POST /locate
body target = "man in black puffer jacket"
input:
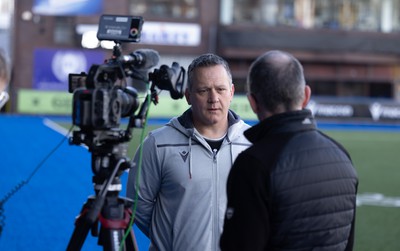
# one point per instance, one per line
(295, 188)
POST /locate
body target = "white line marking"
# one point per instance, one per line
(377, 199)
(56, 127)
(61, 130)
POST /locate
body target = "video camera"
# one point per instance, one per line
(102, 96)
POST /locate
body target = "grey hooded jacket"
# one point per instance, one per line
(181, 196)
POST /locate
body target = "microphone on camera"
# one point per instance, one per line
(143, 59)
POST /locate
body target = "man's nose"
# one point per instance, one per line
(212, 96)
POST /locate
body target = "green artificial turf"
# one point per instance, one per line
(376, 156)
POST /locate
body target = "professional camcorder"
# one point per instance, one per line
(101, 98)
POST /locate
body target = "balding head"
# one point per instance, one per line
(276, 81)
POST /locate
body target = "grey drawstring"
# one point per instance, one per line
(231, 148)
(190, 157)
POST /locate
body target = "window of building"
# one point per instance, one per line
(6, 13)
(240, 84)
(186, 9)
(64, 30)
(323, 88)
(381, 90)
(352, 89)
(363, 15)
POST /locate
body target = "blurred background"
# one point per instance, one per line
(350, 50)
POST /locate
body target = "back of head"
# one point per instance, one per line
(276, 81)
(206, 60)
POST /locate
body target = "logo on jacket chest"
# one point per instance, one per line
(184, 154)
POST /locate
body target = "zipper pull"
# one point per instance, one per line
(215, 154)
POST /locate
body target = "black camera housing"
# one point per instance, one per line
(102, 96)
(103, 108)
(120, 28)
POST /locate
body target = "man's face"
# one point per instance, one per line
(210, 96)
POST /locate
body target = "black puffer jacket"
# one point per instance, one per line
(294, 189)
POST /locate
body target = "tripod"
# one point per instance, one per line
(106, 207)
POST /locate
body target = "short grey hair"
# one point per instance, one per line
(206, 60)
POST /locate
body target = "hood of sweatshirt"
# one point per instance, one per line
(184, 124)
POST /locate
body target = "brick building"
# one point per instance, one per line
(349, 49)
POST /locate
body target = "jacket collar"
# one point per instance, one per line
(287, 122)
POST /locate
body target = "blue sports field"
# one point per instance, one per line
(40, 215)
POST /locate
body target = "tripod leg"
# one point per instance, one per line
(131, 243)
(82, 227)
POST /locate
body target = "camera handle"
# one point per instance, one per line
(113, 213)
(139, 120)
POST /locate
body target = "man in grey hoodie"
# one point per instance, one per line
(180, 180)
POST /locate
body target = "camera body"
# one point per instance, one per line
(102, 97)
(98, 102)
(102, 108)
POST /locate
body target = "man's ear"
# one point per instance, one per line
(253, 103)
(187, 96)
(307, 96)
(232, 91)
